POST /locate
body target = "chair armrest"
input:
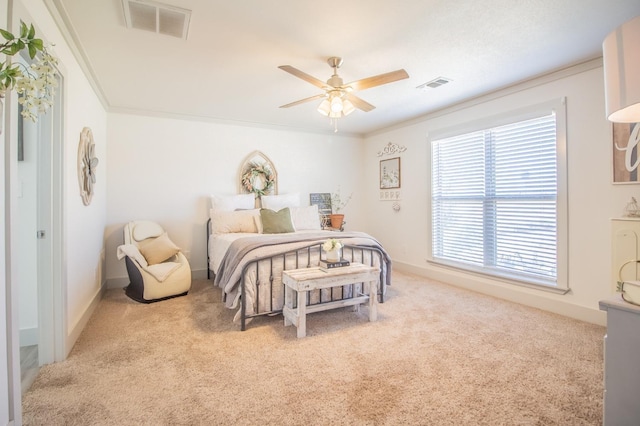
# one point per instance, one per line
(132, 252)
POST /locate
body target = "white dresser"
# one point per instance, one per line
(621, 363)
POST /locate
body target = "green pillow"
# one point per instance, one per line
(276, 222)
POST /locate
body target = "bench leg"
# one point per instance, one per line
(287, 302)
(302, 314)
(373, 301)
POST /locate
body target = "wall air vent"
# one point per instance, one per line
(436, 82)
(156, 17)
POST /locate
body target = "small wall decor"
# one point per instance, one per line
(626, 138)
(632, 209)
(390, 195)
(87, 163)
(258, 175)
(390, 173)
(391, 149)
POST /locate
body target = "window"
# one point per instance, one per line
(495, 199)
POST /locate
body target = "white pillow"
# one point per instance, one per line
(305, 218)
(279, 202)
(229, 203)
(145, 229)
(223, 222)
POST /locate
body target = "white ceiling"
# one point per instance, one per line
(227, 69)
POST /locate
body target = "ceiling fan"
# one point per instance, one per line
(338, 98)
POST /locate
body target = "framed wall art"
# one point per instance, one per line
(390, 173)
(87, 163)
(626, 138)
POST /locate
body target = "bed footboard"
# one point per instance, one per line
(262, 290)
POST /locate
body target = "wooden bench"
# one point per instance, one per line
(304, 280)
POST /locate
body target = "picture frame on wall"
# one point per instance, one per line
(390, 173)
(323, 200)
(626, 138)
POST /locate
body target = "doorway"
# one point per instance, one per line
(38, 228)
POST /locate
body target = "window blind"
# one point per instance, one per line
(494, 200)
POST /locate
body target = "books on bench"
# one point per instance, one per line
(325, 264)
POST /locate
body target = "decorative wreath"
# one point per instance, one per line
(254, 171)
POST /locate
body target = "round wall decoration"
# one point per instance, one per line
(87, 163)
(258, 179)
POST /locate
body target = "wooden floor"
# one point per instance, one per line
(28, 366)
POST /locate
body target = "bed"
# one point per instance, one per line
(246, 256)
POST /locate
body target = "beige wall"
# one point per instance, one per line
(592, 199)
(165, 169)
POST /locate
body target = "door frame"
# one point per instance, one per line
(51, 292)
(56, 311)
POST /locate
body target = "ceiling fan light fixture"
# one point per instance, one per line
(324, 108)
(336, 104)
(337, 99)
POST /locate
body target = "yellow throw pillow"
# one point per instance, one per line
(157, 250)
(276, 222)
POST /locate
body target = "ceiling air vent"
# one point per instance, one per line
(436, 82)
(156, 17)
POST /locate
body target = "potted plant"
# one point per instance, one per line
(35, 84)
(337, 204)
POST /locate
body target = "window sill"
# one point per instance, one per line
(507, 278)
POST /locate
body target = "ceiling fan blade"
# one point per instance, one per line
(301, 101)
(303, 75)
(378, 80)
(359, 103)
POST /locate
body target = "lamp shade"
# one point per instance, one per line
(621, 58)
(336, 104)
(324, 108)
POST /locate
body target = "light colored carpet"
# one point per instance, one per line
(437, 355)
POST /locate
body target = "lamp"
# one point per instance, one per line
(621, 58)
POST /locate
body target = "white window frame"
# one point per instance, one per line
(557, 106)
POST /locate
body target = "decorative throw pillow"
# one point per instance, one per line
(157, 250)
(304, 218)
(276, 222)
(229, 203)
(238, 221)
(279, 202)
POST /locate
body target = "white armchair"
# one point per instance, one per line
(157, 268)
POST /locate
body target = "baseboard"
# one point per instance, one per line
(29, 336)
(74, 333)
(122, 282)
(199, 274)
(521, 295)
